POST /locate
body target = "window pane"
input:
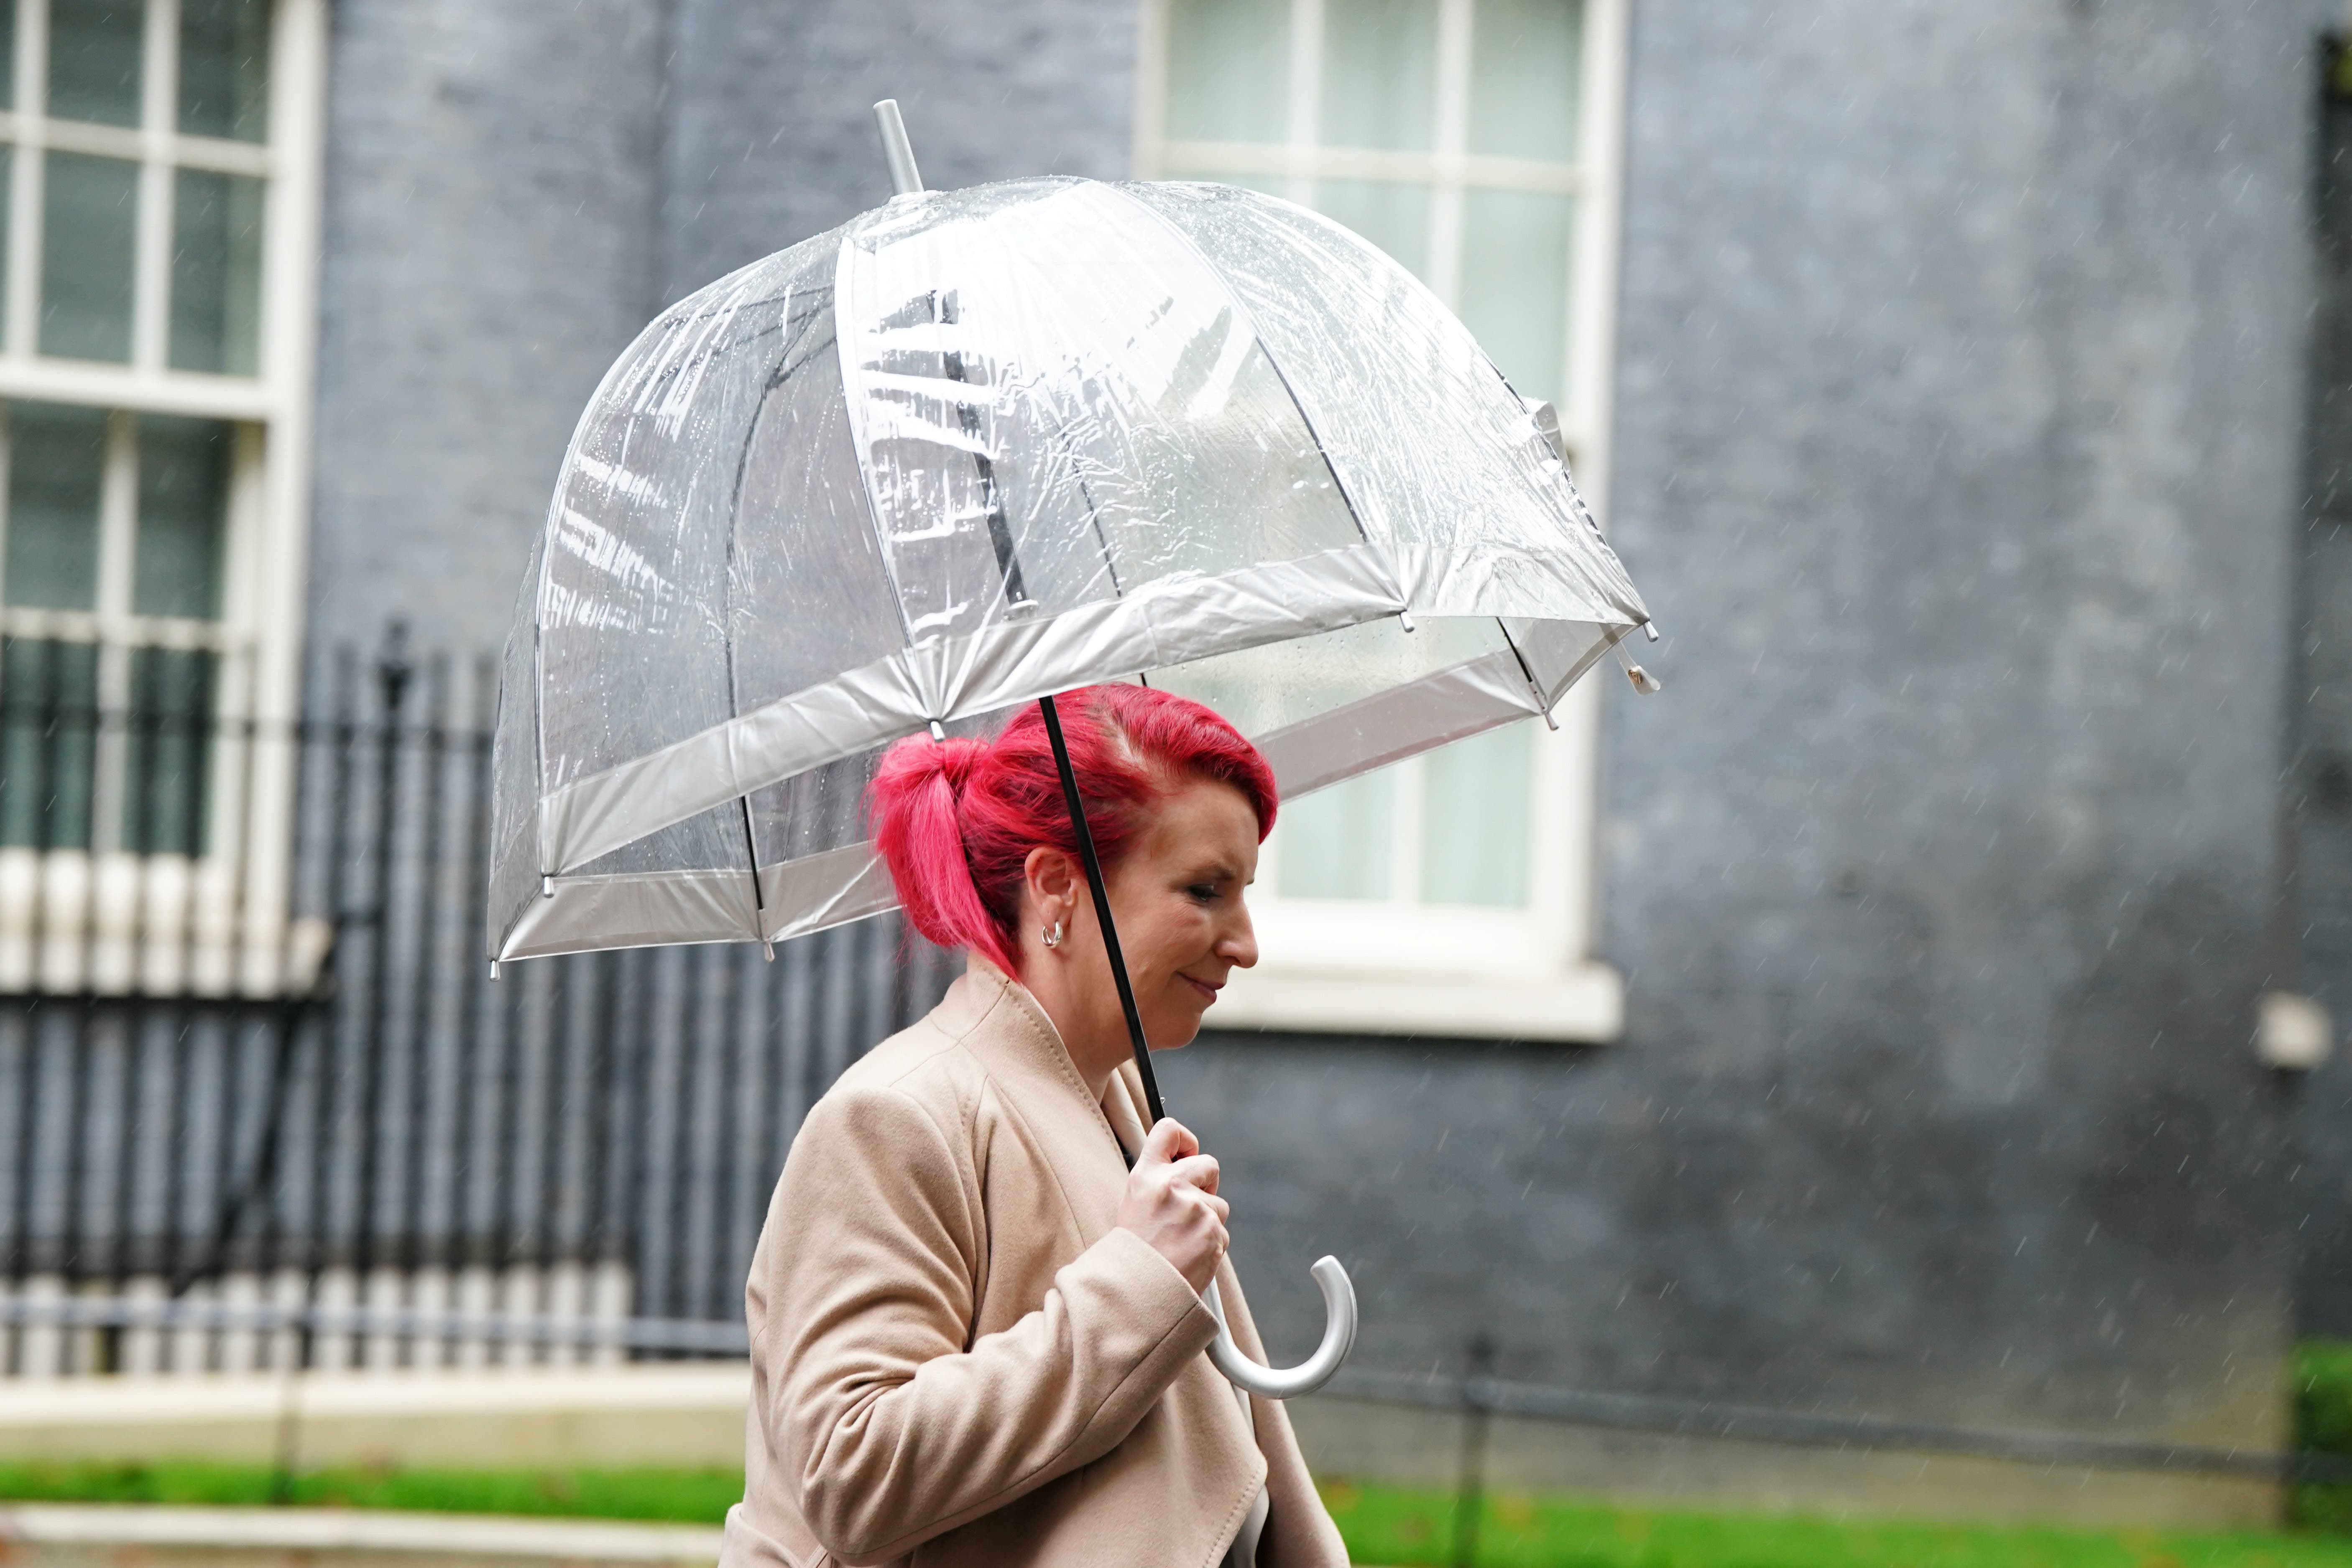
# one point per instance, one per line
(183, 478)
(1526, 70)
(49, 726)
(1514, 258)
(1335, 842)
(1392, 215)
(7, 56)
(94, 59)
(164, 754)
(216, 272)
(88, 214)
(1380, 73)
(56, 458)
(225, 69)
(1228, 70)
(1474, 824)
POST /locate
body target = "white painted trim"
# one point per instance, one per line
(95, 385)
(1585, 421)
(1436, 168)
(136, 1531)
(1304, 127)
(1450, 141)
(27, 178)
(142, 631)
(1586, 1004)
(159, 142)
(289, 281)
(151, 317)
(118, 534)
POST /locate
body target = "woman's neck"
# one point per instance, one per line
(1094, 1047)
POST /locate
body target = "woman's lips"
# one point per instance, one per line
(1208, 992)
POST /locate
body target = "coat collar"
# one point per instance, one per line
(1002, 1023)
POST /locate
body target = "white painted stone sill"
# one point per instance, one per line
(273, 1530)
(1585, 1003)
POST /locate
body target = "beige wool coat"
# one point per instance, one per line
(958, 1359)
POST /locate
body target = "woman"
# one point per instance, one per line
(977, 1334)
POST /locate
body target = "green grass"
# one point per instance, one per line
(647, 1492)
(1388, 1525)
(2323, 1423)
(1394, 1525)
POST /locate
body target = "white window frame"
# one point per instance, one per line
(105, 920)
(1399, 967)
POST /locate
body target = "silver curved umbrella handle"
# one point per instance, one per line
(1338, 1339)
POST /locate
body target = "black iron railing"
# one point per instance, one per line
(375, 1124)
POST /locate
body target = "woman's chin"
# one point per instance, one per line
(1176, 1030)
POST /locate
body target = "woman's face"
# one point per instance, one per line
(1184, 927)
(1178, 897)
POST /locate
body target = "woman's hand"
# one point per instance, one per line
(1172, 1202)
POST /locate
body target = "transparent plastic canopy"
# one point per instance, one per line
(977, 447)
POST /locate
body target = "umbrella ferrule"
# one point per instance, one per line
(896, 151)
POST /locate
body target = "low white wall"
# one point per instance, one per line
(688, 1414)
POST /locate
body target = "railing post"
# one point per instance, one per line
(392, 672)
(1470, 1486)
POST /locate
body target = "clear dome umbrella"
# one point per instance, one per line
(975, 448)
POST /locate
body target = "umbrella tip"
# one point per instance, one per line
(939, 733)
(896, 151)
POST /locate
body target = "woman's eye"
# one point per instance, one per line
(1203, 892)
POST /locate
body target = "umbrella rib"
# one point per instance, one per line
(727, 597)
(1528, 670)
(999, 526)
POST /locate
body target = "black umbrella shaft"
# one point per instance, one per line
(1086, 839)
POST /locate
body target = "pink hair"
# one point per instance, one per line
(955, 820)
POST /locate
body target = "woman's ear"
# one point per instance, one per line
(1050, 881)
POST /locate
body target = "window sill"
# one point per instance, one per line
(1584, 1005)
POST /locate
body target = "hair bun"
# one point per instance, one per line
(957, 759)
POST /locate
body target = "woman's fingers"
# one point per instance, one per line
(1168, 1141)
(1172, 1202)
(1196, 1170)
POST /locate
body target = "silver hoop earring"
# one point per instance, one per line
(1052, 934)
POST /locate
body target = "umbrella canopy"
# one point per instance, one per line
(977, 447)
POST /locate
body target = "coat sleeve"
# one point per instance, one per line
(895, 1425)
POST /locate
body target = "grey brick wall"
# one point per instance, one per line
(773, 138)
(489, 247)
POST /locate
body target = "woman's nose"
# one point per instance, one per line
(1238, 946)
